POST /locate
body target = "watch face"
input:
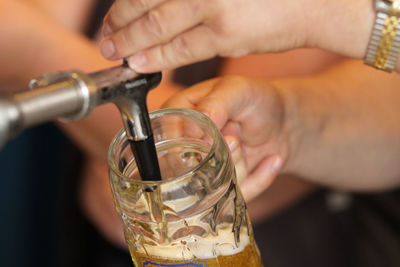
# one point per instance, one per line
(389, 2)
(393, 5)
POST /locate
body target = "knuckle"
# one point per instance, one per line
(239, 84)
(113, 18)
(239, 80)
(124, 42)
(154, 24)
(165, 58)
(117, 16)
(181, 45)
(141, 4)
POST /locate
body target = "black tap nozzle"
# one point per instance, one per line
(128, 91)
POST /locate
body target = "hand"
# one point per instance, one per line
(162, 34)
(169, 33)
(251, 112)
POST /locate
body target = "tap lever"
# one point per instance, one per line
(128, 91)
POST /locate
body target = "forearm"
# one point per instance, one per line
(33, 44)
(71, 14)
(344, 127)
(341, 26)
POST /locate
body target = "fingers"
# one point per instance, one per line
(226, 102)
(261, 178)
(123, 12)
(221, 99)
(189, 98)
(158, 26)
(237, 158)
(197, 44)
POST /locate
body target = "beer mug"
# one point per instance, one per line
(194, 216)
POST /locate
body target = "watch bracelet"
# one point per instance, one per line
(384, 44)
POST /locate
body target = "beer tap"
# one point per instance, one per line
(73, 95)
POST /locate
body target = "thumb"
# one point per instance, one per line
(261, 178)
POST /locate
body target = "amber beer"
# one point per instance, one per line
(207, 252)
(248, 257)
(196, 215)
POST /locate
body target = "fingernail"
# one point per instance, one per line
(206, 113)
(107, 30)
(232, 143)
(275, 164)
(107, 48)
(137, 61)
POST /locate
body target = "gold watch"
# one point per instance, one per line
(384, 44)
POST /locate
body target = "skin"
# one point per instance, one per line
(268, 203)
(164, 34)
(351, 120)
(60, 11)
(78, 52)
(53, 46)
(61, 48)
(326, 128)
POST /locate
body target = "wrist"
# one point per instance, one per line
(292, 126)
(341, 26)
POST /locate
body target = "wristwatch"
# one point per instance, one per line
(384, 44)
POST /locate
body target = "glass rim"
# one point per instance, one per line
(120, 138)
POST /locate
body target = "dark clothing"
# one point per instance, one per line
(34, 168)
(376, 221)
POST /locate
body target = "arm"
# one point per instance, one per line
(344, 127)
(339, 128)
(73, 14)
(34, 44)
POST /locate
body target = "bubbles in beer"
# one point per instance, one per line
(219, 235)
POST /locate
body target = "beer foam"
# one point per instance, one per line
(211, 246)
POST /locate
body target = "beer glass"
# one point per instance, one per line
(194, 216)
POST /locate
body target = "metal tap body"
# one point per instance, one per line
(73, 95)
